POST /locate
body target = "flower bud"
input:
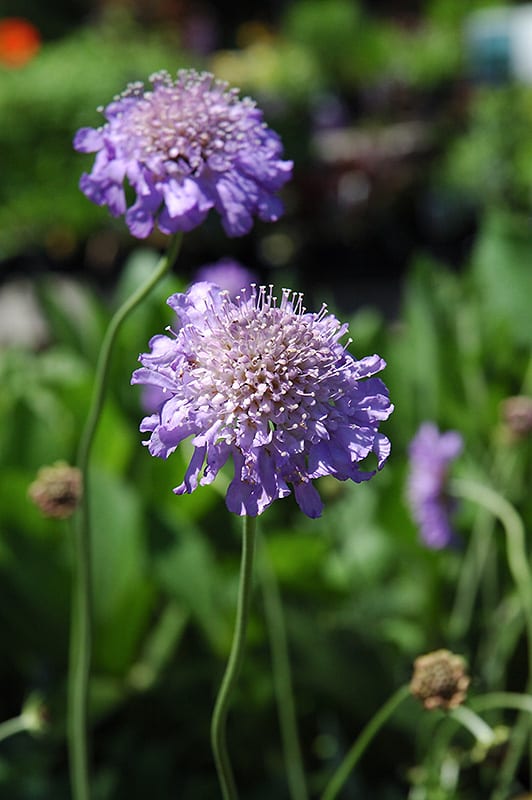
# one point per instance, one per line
(57, 490)
(516, 414)
(440, 680)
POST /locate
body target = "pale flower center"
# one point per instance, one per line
(263, 367)
(184, 125)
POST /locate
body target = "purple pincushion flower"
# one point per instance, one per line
(268, 385)
(431, 454)
(229, 275)
(185, 147)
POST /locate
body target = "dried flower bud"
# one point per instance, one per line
(440, 679)
(516, 413)
(57, 490)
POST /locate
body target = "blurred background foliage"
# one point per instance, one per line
(409, 212)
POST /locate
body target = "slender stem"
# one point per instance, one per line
(80, 647)
(473, 565)
(12, 726)
(234, 664)
(518, 563)
(515, 542)
(440, 741)
(104, 359)
(492, 700)
(364, 739)
(474, 724)
(522, 703)
(282, 679)
(81, 615)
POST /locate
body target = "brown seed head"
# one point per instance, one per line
(516, 414)
(57, 490)
(440, 679)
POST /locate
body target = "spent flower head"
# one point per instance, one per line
(440, 679)
(57, 490)
(516, 415)
(431, 454)
(185, 146)
(269, 385)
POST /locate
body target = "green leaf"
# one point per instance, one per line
(501, 269)
(123, 593)
(187, 571)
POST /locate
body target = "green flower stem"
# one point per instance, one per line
(492, 700)
(515, 541)
(81, 615)
(234, 664)
(518, 563)
(440, 747)
(12, 726)
(474, 724)
(516, 746)
(519, 702)
(361, 743)
(473, 566)
(282, 679)
(480, 548)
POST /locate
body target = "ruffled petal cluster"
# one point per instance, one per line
(269, 386)
(185, 147)
(431, 453)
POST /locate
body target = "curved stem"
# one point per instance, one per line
(473, 565)
(12, 726)
(440, 741)
(81, 615)
(364, 739)
(282, 679)
(518, 563)
(232, 671)
(474, 724)
(515, 541)
(104, 359)
(493, 700)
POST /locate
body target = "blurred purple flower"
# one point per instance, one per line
(228, 274)
(269, 385)
(431, 454)
(185, 146)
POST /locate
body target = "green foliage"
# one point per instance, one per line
(351, 46)
(363, 596)
(492, 158)
(329, 30)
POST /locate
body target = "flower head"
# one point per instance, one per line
(57, 490)
(440, 680)
(228, 274)
(431, 454)
(517, 416)
(269, 385)
(185, 146)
